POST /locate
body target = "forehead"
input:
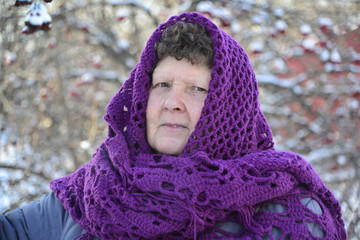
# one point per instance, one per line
(170, 69)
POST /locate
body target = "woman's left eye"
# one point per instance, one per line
(200, 89)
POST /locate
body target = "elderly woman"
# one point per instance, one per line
(189, 155)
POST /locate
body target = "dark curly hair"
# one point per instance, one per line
(186, 40)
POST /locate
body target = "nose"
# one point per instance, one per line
(175, 101)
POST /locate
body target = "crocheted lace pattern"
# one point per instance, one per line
(156, 196)
(227, 172)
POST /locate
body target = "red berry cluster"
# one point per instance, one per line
(37, 18)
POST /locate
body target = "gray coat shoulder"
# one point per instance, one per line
(46, 219)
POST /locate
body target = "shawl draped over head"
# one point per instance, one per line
(226, 171)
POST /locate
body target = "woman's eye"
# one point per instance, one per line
(200, 89)
(163, 84)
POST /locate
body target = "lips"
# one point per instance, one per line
(173, 125)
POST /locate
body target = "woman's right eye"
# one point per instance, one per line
(163, 84)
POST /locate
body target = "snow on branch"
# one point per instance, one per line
(96, 73)
(135, 4)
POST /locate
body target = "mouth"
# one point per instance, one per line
(173, 125)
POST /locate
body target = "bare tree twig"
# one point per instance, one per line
(26, 170)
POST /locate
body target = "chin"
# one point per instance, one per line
(171, 148)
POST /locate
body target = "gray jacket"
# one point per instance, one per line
(43, 220)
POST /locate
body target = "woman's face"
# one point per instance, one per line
(176, 99)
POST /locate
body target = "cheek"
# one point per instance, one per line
(195, 111)
(152, 109)
(149, 120)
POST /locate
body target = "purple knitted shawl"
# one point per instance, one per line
(227, 170)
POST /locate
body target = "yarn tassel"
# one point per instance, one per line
(195, 232)
(246, 215)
